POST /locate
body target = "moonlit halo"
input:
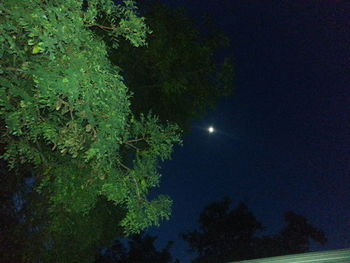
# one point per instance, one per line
(211, 129)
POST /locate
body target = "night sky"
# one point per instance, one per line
(283, 136)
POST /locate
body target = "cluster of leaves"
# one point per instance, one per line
(66, 111)
(226, 235)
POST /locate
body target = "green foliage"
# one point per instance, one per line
(66, 111)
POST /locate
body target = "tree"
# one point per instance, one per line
(230, 235)
(223, 234)
(294, 238)
(178, 75)
(298, 232)
(140, 249)
(66, 116)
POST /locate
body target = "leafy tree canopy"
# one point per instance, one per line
(231, 234)
(66, 113)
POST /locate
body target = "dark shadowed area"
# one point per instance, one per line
(282, 140)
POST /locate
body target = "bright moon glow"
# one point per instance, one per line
(211, 129)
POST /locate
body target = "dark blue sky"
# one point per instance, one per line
(283, 140)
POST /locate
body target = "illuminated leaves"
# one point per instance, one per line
(67, 112)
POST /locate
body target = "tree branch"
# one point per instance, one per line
(133, 178)
(125, 167)
(132, 146)
(103, 27)
(13, 69)
(135, 140)
(137, 187)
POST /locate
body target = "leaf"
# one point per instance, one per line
(88, 128)
(58, 104)
(31, 42)
(36, 49)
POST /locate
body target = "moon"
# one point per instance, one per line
(211, 129)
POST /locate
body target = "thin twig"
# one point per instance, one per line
(137, 187)
(13, 69)
(71, 115)
(125, 167)
(132, 146)
(135, 140)
(133, 178)
(103, 27)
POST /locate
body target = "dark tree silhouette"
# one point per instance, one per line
(141, 249)
(228, 235)
(294, 238)
(223, 234)
(297, 234)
